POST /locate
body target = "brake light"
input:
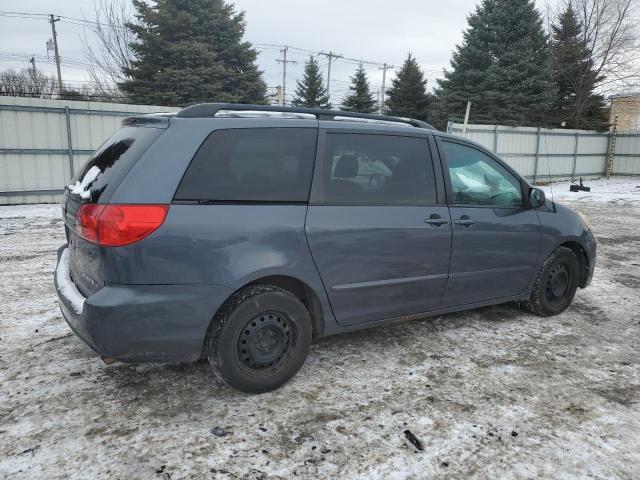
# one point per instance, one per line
(118, 225)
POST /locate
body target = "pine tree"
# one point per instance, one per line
(502, 67)
(311, 92)
(360, 98)
(407, 96)
(190, 51)
(576, 105)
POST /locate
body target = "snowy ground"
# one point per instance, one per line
(490, 393)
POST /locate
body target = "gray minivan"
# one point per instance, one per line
(241, 233)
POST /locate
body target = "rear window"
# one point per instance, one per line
(253, 164)
(110, 163)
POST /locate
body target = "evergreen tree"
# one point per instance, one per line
(407, 96)
(311, 92)
(502, 67)
(360, 98)
(573, 74)
(190, 51)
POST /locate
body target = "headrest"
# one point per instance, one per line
(347, 166)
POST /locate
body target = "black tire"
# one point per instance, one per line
(556, 283)
(259, 339)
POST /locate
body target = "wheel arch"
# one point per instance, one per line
(303, 292)
(583, 259)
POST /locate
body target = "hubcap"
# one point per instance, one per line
(557, 282)
(265, 341)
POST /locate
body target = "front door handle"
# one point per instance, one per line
(436, 220)
(465, 221)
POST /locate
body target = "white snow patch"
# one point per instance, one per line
(48, 210)
(82, 187)
(66, 285)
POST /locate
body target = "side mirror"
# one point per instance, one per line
(536, 198)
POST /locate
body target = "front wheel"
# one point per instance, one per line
(556, 283)
(259, 339)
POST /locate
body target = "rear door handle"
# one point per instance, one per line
(465, 221)
(436, 220)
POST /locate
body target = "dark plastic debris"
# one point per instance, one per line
(414, 441)
(579, 188)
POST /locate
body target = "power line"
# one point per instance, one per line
(286, 50)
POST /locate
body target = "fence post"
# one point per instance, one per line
(611, 149)
(495, 139)
(537, 159)
(575, 157)
(449, 127)
(67, 116)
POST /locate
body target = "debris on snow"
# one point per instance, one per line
(414, 441)
(218, 432)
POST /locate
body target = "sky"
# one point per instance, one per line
(370, 30)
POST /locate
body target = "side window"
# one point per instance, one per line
(477, 179)
(361, 169)
(252, 164)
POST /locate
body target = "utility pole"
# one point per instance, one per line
(384, 69)
(283, 98)
(466, 119)
(33, 67)
(330, 56)
(53, 21)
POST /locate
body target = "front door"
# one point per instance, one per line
(379, 237)
(496, 239)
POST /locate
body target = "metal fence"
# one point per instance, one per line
(44, 142)
(541, 154)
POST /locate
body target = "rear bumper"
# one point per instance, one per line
(141, 323)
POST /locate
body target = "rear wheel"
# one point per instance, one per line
(259, 339)
(556, 283)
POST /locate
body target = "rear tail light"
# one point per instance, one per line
(118, 225)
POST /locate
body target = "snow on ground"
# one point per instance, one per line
(46, 210)
(602, 190)
(490, 393)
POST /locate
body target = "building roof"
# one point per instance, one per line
(625, 95)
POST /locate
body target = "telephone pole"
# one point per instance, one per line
(282, 99)
(33, 67)
(53, 21)
(384, 69)
(466, 119)
(330, 56)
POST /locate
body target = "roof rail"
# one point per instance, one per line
(203, 110)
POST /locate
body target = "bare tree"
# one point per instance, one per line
(611, 31)
(27, 83)
(110, 54)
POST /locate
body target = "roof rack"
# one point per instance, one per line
(204, 110)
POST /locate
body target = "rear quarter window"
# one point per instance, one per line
(370, 169)
(252, 165)
(110, 163)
